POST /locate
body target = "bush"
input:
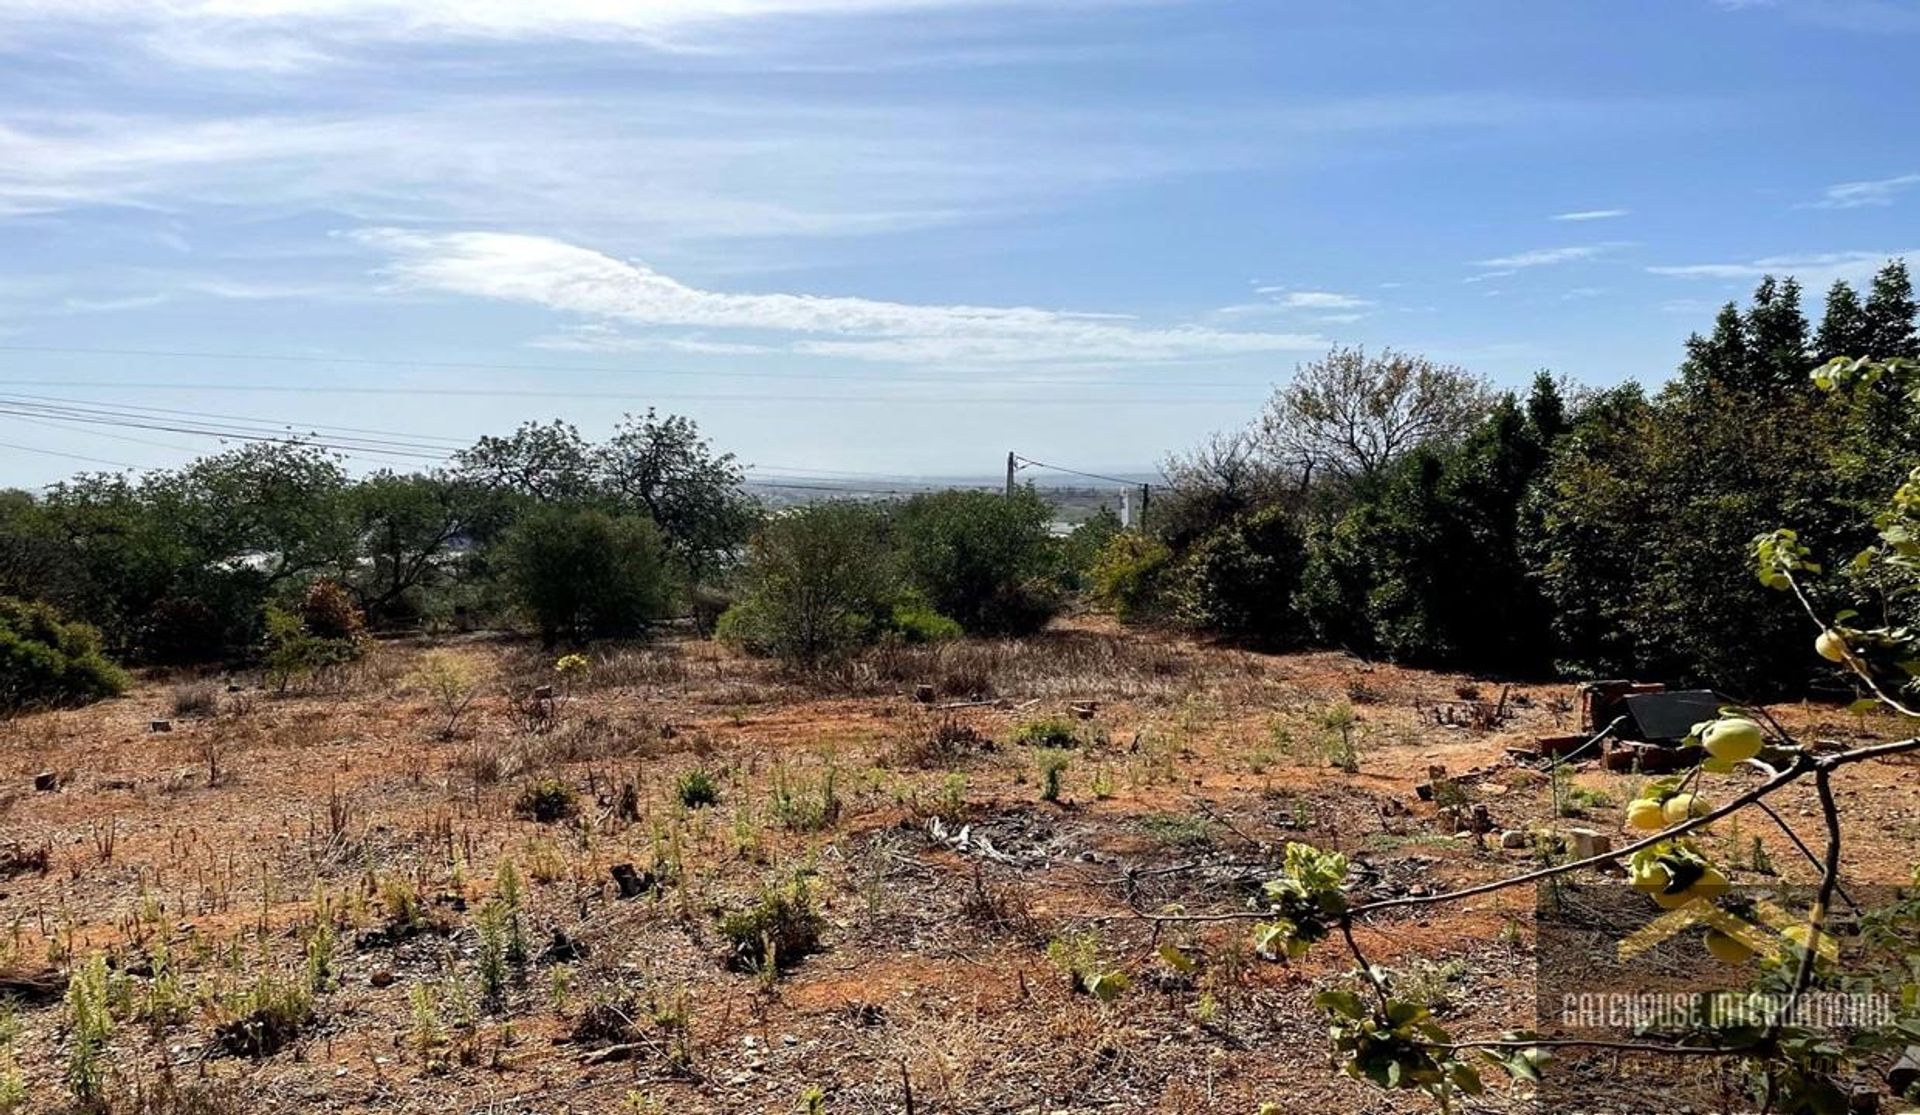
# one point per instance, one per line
(584, 573)
(987, 560)
(292, 653)
(547, 800)
(780, 928)
(328, 612)
(1049, 731)
(1240, 581)
(46, 660)
(697, 788)
(1128, 575)
(917, 623)
(817, 583)
(180, 631)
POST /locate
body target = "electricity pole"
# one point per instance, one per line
(1012, 463)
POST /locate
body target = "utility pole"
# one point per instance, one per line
(1144, 490)
(1012, 463)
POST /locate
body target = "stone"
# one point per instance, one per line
(923, 693)
(1587, 843)
(159, 725)
(1513, 838)
(381, 978)
(46, 782)
(631, 880)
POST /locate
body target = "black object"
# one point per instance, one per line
(1669, 717)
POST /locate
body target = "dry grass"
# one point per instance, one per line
(335, 830)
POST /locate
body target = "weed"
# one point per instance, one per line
(1179, 830)
(451, 681)
(264, 1017)
(1337, 724)
(1052, 762)
(89, 1024)
(781, 927)
(1077, 955)
(194, 700)
(804, 808)
(946, 743)
(546, 801)
(1048, 731)
(697, 788)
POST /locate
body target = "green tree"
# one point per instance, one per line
(1723, 356)
(1240, 581)
(817, 582)
(983, 559)
(406, 524)
(581, 573)
(1777, 337)
(1843, 327)
(663, 468)
(1889, 316)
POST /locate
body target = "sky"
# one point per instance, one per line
(900, 237)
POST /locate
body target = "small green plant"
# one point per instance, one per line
(89, 1025)
(1077, 955)
(451, 681)
(1338, 725)
(546, 801)
(803, 807)
(697, 788)
(1102, 783)
(1052, 762)
(491, 959)
(1048, 731)
(781, 927)
(1179, 830)
(266, 1015)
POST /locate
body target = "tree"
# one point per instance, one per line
(1723, 356)
(1776, 337)
(548, 462)
(1889, 316)
(1350, 416)
(1843, 327)
(581, 573)
(406, 525)
(1210, 486)
(817, 582)
(983, 559)
(1241, 580)
(663, 468)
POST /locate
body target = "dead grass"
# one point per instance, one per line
(936, 874)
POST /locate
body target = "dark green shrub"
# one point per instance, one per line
(583, 573)
(327, 611)
(818, 582)
(47, 661)
(985, 560)
(1048, 731)
(779, 929)
(547, 800)
(1240, 581)
(180, 631)
(697, 788)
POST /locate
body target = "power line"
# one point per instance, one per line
(68, 456)
(624, 396)
(1026, 462)
(508, 366)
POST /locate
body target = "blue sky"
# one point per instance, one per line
(903, 236)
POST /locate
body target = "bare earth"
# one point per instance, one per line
(941, 877)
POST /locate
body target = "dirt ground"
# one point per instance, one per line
(215, 863)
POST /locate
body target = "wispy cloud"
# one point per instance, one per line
(1813, 270)
(1590, 215)
(571, 279)
(1856, 195)
(1323, 300)
(1546, 257)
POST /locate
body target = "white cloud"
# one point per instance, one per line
(1856, 195)
(1590, 215)
(1323, 300)
(571, 279)
(1546, 257)
(1813, 270)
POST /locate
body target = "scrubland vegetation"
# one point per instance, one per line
(565, 776)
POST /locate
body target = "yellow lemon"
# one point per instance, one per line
(1645, 814)
(1710, 885)
(1733, 740)
(1727, 949)
(1831, 645)
(1680, 807)
(1654, 882)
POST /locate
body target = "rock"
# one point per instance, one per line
(543, 692)
(1513, 838)
(381, 978)
(1905, 1072)
(46, 782)
(923, 693)
(1424, 791)
(1588, 843)
(159, 725)
(1482, 818)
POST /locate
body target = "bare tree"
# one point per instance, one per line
(1212, 484)
(1352, 415)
